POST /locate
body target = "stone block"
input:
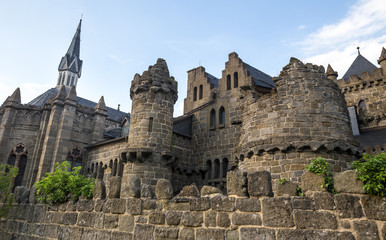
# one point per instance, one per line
(69, 218)
(118, 205)
(99, 190)
(157, 218)
(164, 189)
(165, 233)
(248, 233)
(111, 221)
(316, 220)
(374, 207)
(199, 204)
(86, 219)
(132, 187)
(32, 195)
(106, 235)
(259, 184)
(223, 220)
(287, 188)
(347, 182)
(324, 200)
(248, 204)
(237, 183)
(99, 220)
(246, 219)
(147, 191)
(134, 206)
(76, 233)
(126, 223)
(150, 204)
(107, 206)
(187, 234)
(210, 219)
(192, 219)
(190, 191)
(122, 236)
(21, 194)
(115, 187)
(85, 205)
(366, 230)
(348, 206)
(312, 182)
(99, 205)
(225, 204)
(143, 232)
(303, 234)
(277, 212)
(181, 204)
(232, 235)
(39, 213)
(209, 190)
(302, 203)
(207, 233)
(173, 217)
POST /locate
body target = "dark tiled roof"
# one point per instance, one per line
(51, 93)
(360, 65)
(372, 137)
(183, 126)
(259, 78)
(213, 80)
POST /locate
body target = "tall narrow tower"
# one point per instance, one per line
(70, 67)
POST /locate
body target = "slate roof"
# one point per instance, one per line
(360, 65)
(259, 78)
(51, 93)
(213, 80)
(372, 137)
(183, 126)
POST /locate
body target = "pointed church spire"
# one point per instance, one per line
(15, 97)
(101, 105)
(331, 74)
(70, 67)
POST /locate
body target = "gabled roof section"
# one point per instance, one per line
(183, 126)
(259, 78)
(360, 65)
(213, 81)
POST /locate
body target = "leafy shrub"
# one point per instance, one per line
(372, 172)
(283, 180)
(7, 173)
(320, 166)
(56, 186)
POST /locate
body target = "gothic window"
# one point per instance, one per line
(68, 80)
(150, 124)
(74, 158)
(195, 94)
(200, 92)
(235, 79)
(216, 168)
(72, 80)
(362, 105)
(228, 82)
(18, 158)
(209, 169)
(213, 118)
(221, 115)
(225, 164)
(63, 77)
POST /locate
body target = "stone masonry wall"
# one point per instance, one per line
(246, 213)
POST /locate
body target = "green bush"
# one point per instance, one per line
(7, 174)
(320, 166)
(372, 172)
(57, 186)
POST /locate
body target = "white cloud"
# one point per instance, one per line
(301, 27)
(364, 25)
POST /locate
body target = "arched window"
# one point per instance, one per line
(221, 115)
(68, 80)
(213, 118)
(74, 158)
(209, 169)
(195, 94)
(225, 164)
(200, 92)
(63, 77)
(216, 168)
(18, 158)
(228, 82)
(362, 105)
(235, 79)
(72, 80)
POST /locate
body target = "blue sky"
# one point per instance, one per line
(121, 38)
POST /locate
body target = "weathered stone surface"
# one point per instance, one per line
(192, 219)
(150, 204)
(277, 212)
(111, 221)
(173, 217)
(348, 206)
(324, 200)
(21, 194)
(300, 234)
(99, 205)
(122, 236)
(248, 233)
(189, 192)
(64, 218)
(32, 195)
(106, 235)
(147, 191)
(164, 189)
(209, 190)
(199, 204)
(374, 207)
(345, 224)
(134, 206)
(302, 203)
(85, 205)
(259, 184)
(207, 233)
(132, 187)
(126, 223)
(315, 220)
(246, 219)
(141, 219)
(157, 218)
(210, 219)
(347, 182)
(237, 183)
(232, 235)
(99, 190)
(287, 188)
(99, 220)
(118, 205)
(248, 204)
(181, 204)
(86, 219)
(383, 231)
(165, 233)
(366, 230)
(143, 232)
(107, 206)
(187, 234)
(225, 204)
(115, 187)
(312, 182)
(223, 220)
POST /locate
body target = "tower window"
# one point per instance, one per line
(150, 124)
(195, 94)
(235, 79)
(200, 92)
(72, 80)
(213, 118)
(225, 164)
(216, 168)
(228, 82)
(221, 115)
(68, 80)
(209, 169)
(63, 77)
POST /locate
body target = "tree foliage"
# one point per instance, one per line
(7, 173)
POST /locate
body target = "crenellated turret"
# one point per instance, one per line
(331, 74)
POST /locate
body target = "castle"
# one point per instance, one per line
(244, 120)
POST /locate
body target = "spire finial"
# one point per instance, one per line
(359, 53)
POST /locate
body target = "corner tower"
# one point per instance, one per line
(70, 67)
